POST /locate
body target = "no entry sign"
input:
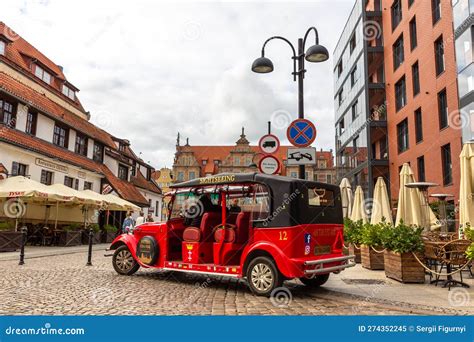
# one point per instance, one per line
(269, 144)
(301, 133)
(269, 165)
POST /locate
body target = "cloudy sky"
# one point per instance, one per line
(148, 69)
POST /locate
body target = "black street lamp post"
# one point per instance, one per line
(315, 54)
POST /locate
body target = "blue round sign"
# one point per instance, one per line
(301, 133)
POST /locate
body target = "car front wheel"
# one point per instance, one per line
(263, 276)
(123, 261)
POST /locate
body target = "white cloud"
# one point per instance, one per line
(149, 69)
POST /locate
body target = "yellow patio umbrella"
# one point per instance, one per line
(25, 188)
(117, 203)
(78, 197)
(411, 202)
(381, 204)
(27, 191)
(346, 197)
(466, 191)
(358, 208)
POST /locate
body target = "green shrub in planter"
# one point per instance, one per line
(371, 242)
(403, 239)
(110, 228)
(353, 231)
(72, 227)
(7, 226)
(95, 227)
(371, 234)
(401, 243)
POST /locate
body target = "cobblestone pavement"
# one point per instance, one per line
(62, 284)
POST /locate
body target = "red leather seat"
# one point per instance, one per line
(192, 234)
(209, 221)
(242, 227)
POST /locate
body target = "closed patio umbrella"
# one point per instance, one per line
(381, 205)
(466, 191)
(358, 208)
(411, 202)
(346, 197)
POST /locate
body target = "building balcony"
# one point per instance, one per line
(373, 14)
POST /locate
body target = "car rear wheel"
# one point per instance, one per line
(263, 276)
(123, 261)
(315, 281)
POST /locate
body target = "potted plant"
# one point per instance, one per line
(401, 243)
(109, 233)
(96, 234)
(469, 234)
(71, 235)
(372, 256)
(352, 236)
(10, 240)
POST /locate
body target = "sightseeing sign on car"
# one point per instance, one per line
(264, 229)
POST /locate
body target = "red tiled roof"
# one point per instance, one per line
(21, 53)
(29, 142)
(140, 181)
(33, 98)
(125, 189)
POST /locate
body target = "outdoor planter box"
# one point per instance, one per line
(353, 250)
(403, 267)
(10, 241)
(96, 237)
(371, 259)
(70, 238)
(108, 237)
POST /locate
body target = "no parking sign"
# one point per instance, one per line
(301, 133)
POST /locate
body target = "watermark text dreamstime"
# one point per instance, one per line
(44, 330)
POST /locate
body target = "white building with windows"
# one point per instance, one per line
(45, 133)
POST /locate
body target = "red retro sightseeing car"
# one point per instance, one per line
(266, 229)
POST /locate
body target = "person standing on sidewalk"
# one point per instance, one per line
(140, 219)
(128, 223)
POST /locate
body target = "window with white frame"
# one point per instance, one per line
(69, 92)
(42, 74)
(2, 47)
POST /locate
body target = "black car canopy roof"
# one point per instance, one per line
(281, 188)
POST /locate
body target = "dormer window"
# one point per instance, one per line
(69, 92)
(42, 74)
(2, 47)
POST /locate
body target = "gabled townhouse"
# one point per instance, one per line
(45, 132)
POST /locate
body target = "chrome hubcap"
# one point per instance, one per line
(261, 277)
(124, 260)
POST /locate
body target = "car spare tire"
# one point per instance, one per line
(147, 250)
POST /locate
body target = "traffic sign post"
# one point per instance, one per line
(301, 133)
(269, 144)
(269, 165)
(301, 156)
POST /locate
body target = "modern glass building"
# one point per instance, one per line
(463, 18)
(359, 98)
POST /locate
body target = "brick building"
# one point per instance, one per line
(45, 132)
(199, 161)
(422, 94)
(407, 59)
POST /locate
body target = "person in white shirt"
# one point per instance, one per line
(140, 219)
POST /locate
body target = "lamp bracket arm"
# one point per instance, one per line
(312, 28)
(294, 57)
